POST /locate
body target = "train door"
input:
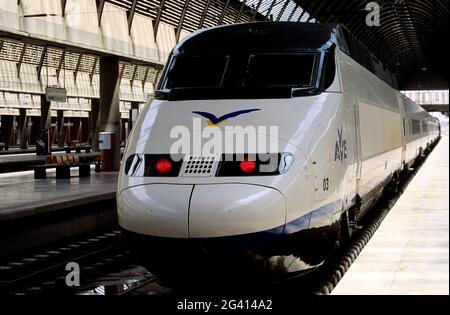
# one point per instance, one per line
(404, 140)
(358, 141)
(350, 105)
(402, 102)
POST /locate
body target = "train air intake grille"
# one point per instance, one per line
(200, 165)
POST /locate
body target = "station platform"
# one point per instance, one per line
(25, 161)
(22, 196)
(31, 149)
(409, 254)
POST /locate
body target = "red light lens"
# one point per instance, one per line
(163, 166)
(248, 166)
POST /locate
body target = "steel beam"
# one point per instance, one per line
(100, 6)
(282, 10)
(63, 7)
(131, 15)
(205, 10)
(181, 21)
(77, 67)
(158, 71)
(133, 76)
(41, 62)
(19, 63)
(121, 71)
(238, 17)
(145, 76)
(301, 15)
(91, 75)
(270, 9)
(256, 10)
(61, 61)
(158, 18)
(222, 15)
(292, 13)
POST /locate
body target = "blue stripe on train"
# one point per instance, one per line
(319, 216)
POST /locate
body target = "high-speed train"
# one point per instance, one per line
(330, 135)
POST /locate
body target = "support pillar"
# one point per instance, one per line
(109, 114)
(134, 113)
(68, 135)
(93, 119)
(46, 125)
(61, 129)
(23, 128)
(46, 114)
(7, 126)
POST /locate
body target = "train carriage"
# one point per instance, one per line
(340, 134)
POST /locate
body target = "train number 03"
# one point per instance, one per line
(326, 184)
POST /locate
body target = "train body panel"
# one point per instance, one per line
(378, 116)
(155, 209)
(244, 209)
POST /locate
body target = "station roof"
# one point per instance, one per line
(412, 35)
(410, 38)
(188, 15)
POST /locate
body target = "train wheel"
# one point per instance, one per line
(345, 230)
(393, 187)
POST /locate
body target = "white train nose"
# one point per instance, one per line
(155, 209)
(233, 209)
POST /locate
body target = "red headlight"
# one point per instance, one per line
(248, 166)
(163, 166)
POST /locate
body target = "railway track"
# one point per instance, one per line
(106, 262)
(44, 270)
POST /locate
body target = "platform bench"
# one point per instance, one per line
(78, 147)
(62, 163)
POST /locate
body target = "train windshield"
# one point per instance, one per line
(259, 71)
(289, 70)
(246, 75)
(197, 71)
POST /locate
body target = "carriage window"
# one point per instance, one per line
(424, 126)
(288, 70)
(197, 71)
(415, 126)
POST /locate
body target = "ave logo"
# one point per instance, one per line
(340, 150)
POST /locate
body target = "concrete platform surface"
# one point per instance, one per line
(31, 149)
(21, 195)
(409, 254)
(32, 157)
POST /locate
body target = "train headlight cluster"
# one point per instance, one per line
(153, 165)
(227, 165)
